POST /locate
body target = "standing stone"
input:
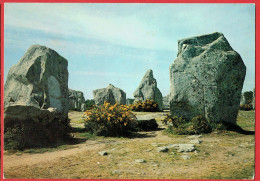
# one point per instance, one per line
(76, 100)
(147, 89)
(36, 95)
(129, 101)
(206, 79)
(166, 102)
(110, 94)
(243, 99)
(39, 79)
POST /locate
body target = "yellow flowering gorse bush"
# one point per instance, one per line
(110, 120)
(146, 106)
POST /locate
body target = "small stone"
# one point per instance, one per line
(194, 136)
(186, 148)
(116, 172)
(186, 157)
(102, 153)
(173, 146)
(148, 150)
(140, 161)
(195, 141)
(163, 149)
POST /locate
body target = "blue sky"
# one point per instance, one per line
(118, 43)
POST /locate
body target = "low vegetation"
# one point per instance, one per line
(221, 155)
(246, 107)
(145, 106)
(110, 120)
(181, 126)
(32, 134)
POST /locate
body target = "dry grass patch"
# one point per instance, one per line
(224, 155)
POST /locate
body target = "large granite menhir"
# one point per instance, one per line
(206, 79)
(76, 100)
(110, 94)
(36, 91)
(147, 89)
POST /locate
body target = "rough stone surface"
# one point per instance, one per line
(243, 99)
(102, 153)
(166, 102)
(195, 141)
(186, 148)
(76, 100)
(129, 101)
(140, 161)
(110, 94)
(37, 82)
(163, 149)
(194, 136)
(186, 157)
(147, 89)
(146, 123)
(206, 79)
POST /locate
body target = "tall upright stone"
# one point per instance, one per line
(148, 89)
(76, 100)
(166, 102)
(206, 79)
(109, 94)
(36, 94)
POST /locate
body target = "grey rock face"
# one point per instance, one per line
(129, 101)
(206, 79)
(146, 123)
(38, 81)
(102, 153)
(166, 102)
(163, 149)
(147, 89)
(76, 100)
(110, 94)
(186, 148)
(140, 161)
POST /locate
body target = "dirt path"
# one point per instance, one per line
(30, 159)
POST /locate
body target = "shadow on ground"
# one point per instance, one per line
(238, 129)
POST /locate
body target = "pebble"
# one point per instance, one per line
(140, 161)
(102, 153)
(163, 149)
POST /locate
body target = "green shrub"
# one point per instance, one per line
(19, 135)
(110, 120)
(146, 106)
(201, 125)
(246, 107)
(90, 103)
(181, 126)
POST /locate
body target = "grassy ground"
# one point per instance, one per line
(224, 155)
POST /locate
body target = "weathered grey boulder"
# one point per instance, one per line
(147, 89)
(36, 98)
(76, 100)
(39, 79)
(166, 102)
(206, 79)
(110, 94)
(129, 101)
(146, 123)
(243, 99)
